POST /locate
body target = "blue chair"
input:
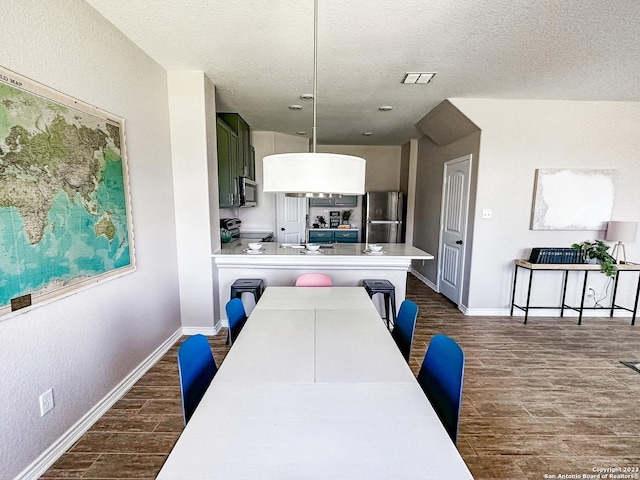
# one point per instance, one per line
(404, 327)
(236, 317)
(197, 368)
(441, 376)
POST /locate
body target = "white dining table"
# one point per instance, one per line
(314, 387)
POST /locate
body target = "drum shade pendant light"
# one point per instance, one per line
(312, 174)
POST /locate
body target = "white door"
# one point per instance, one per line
(291, 218)
(453, 227)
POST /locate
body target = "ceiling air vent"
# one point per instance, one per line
(418, 77)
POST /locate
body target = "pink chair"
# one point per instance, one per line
(313, 280)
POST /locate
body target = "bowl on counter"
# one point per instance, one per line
(255, 245)
(375, 247)
(313, 247)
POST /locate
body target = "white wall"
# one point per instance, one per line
(192, 111)
(429, 173)
(383, 164)
(85, 344)
(519, 136)
(412, 167)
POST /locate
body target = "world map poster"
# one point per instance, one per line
(64, 198)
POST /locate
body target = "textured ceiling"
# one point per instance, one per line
(259, 54)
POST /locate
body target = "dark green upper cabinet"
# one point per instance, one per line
(344, 201)
(252, 164)
(228, 185)
(320, 202)
(246, 155)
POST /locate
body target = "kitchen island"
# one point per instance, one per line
(346, 263)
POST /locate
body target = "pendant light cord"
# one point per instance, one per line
(315, 69)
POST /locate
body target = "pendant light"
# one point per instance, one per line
(311, 174)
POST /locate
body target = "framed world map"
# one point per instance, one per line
(65, 220)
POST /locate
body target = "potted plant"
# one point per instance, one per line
(597, 250)
(346, 215)
(225, 235)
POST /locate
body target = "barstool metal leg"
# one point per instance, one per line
(387, 298)
(392, 297)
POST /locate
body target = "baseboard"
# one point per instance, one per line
(433, 287)
(425, 280)
(555, 312)
(544, 312)
(506, 312)
(207, 331)
(486, 312)
(62, 444)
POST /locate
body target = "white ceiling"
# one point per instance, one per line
(259, 54)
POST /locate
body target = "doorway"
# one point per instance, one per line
(291, 219)
(453, 227)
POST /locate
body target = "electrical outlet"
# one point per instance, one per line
(46, 402)
(487, 213)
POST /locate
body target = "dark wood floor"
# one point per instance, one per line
(546, 398)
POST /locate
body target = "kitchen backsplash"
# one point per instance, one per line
(356, 214)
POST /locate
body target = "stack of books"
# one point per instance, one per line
(556, 255)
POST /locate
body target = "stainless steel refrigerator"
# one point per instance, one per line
(383, 217)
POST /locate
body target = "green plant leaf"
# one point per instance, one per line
(598, 250)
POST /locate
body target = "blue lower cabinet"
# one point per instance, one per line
(333, 236)
(348, 236)
(320, 237)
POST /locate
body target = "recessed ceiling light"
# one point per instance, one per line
(306, 96)
(367, 134)
(301, 133)
(295, 107)
(418, 77)
(385, 108)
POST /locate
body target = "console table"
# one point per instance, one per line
(573, 267)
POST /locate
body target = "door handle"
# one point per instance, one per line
(282, 229)
(458, 242)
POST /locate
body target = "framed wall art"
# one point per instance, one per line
(573, 199)
(65, 219)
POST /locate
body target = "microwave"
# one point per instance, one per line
(248, 192)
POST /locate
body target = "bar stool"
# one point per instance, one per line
(386, 288)
(251, 285)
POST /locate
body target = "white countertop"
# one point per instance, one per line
(346, 263)
(273, 249)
